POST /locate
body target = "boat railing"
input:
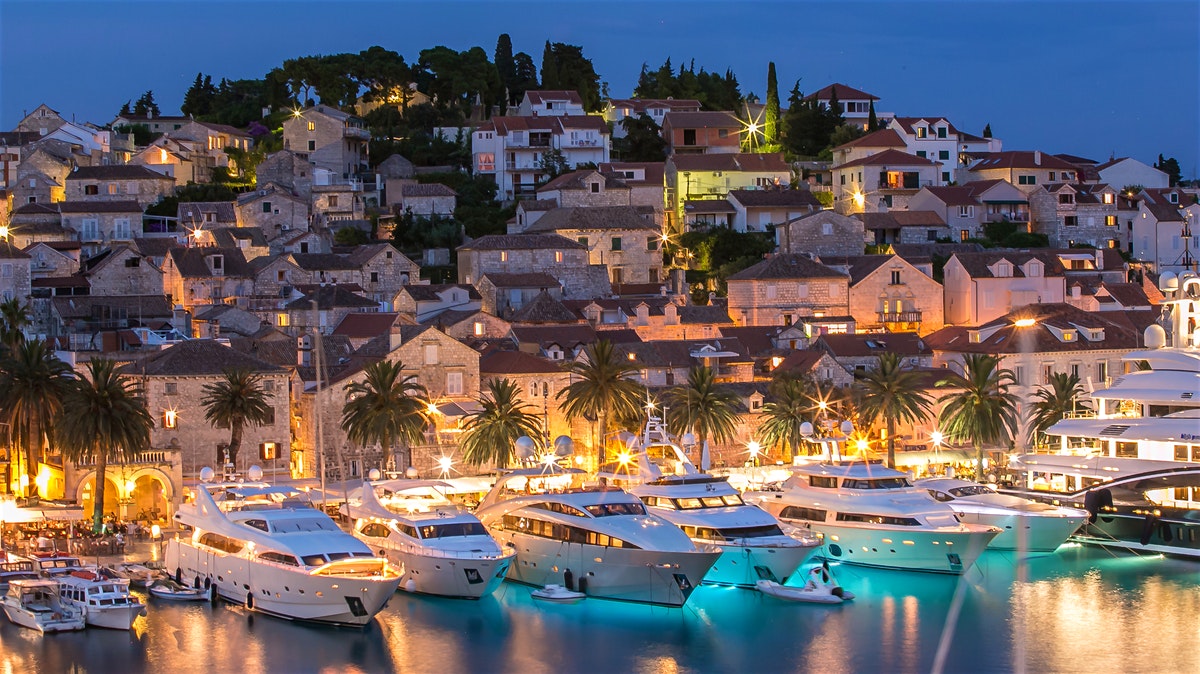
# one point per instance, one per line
(425, 551)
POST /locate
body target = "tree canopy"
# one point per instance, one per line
(715, 92)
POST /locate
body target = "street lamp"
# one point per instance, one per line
(755, 449)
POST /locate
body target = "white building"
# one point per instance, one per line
(514, 149)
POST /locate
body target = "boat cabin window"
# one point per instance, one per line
(561, 508)
(279, 558)
(407, 529)
(971, 490)
(658, 502)
(453, 530)
(222, 543)
(611, 509)
(374, 530)
(878, 519)
(563, 532)
(732, 533)
(708, 502)
(314, 560)
(261, 525)
(940, 495)
(877, 483)
(293, 525)
(822, 481)
(802, 513)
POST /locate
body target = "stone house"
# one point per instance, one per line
(200, 276)
(378, 269)
(422, 199)
(882, 181)
(585, 188)
(959, 209)
(224, 321)
(905, 227)
(360, 328)
(667, 362)
(179, 158)
(555, 342)
(332, 304)
(503, 294)
(564, 259)
(122, 270)
(53, 259)
(860, 352)
(690, 177)
(617, 110)
(539, 382)
(196, 216)
(1024, 169)
(289, 171)
(173, 381)
(822, 233)
(980, 287)
(702, 214)
(423, 302)
(15, 272)
(855, 103)
(33, 223)
(616, 237)
(335, 199)
(80, 321)
(470, 325)
(787, 289)
(702, 132)
(888, 293)
(42, 120)
(528, 211)
(817, 365)
(1076, 213)
(42, 173)
(273, 209)
(98, 223)
(763, 210)
(328, 138)
(644, 180)
(118, 183)
(395, 166)
(303, 241)
(250, 240)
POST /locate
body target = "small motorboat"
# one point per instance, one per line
(138, 575)
(35, 604)
(558, 594)
(103, 598)
(821, 588)
(165, 588)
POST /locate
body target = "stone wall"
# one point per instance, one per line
(767, 302)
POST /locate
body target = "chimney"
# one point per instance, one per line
(1037, 157)
(304, 350)
(1099, 258)
(1075, 292)
(394, 339)
(181, 321)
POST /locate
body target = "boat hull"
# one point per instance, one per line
(113, 617)
(458, 577)
(285, 592)
(1042, 534)
(745, 565)
(926, 550)
(28, 619)
(623, 574)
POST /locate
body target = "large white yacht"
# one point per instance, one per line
(438, 547)
(1027, 526)
(267, 548)
(871, 515)
(1149, 413)
(597, 538)
(709, 510)
(1136, 504)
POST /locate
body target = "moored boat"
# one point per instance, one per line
(35, 604)
(1025, 525)
(103, 599)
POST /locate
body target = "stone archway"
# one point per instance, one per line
(147, 492)
(86, 490)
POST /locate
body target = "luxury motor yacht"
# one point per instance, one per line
(871, 515)
(599, 539)
(438, 547)
(267, 548)
(35, 604)
(103, 600)
(1135, 504)
(1027, 526)
(709, 510)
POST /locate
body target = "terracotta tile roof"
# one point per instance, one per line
(430, 292)
(515, 362)
(786, 266)
(748, 162)
(224, 128)
(233, 236)
(193, 262)
(709, 314)
(9, 251)
(652, 170)
(574, 181)
(197, 357)
(758, 339)
(534, 205)
(1010, 159)
(98, 207)
(619, 336)
(1156, 201)
(907, 123)
(632, 290)
(675, 353)
(595, 218)
(880, 138)
(889, 158)
(544, 309)
(639, 105)
(18, 138)
(222, 211)
(906, 344)
(857, 266)
(977, 264)
(526, 280)
(155, 246)
(775, 198)
(800, 362)
(543, 95)
(323, 262)
(898, 219)
(556, 124)
(708, 206)
(521, 242)
(87, 306)
(426, 190)
(36, 209)
(844, 93)
(954, 195)
(1001, 336)
(116, 172)
(1128, 294)
(566, 336)
(366, 326)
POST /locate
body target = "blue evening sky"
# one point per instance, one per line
(1089, 78)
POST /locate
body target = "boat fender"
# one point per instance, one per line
(569, 580)
(583, 583)
(837, 591)
(179, 575)
(1148, 528)
(249, 600)
(195, 582)
(208, 582)
(1096, 500)
(410, 585)
(215, 594)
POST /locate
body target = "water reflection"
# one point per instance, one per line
(1079, 610)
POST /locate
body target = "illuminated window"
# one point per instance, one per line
(169, 419)
(283, 320)
(478, 329)
(558, 256)
(312, 126)
(504, 256)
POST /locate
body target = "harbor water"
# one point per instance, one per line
(1081, 610)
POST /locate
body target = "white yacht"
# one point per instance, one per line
(709, 510)
(598, 539)
(871, 515)
(438, 547)
(103, 600)
(267, 548)
(13, 567)
(55, 564)
(1140, 505)
(35, 604)
(1027, 526)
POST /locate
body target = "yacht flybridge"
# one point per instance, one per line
(267, 548)
(598, 539)
(1027, 526)
(709, 510)
(437, 547)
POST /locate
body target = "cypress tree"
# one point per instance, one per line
(987, 130)
(506, 65)
(771, 114)
(872, 120)
(549, 68)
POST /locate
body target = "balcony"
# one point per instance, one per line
(154, 456)
(585, 142)
(356, 132)
(901, 317)
(521, 166)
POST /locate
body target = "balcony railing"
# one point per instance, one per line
(153, 456)
(520, 166)
(356, 132)
(901, 317)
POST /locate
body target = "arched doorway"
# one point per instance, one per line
(150, 502)
(112, 496)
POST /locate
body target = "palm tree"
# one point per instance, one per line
(782, 417)
(235, 401)
(703, 407)
(13, 317)
(490, 434)
(983, 412)
(1055, 402)
(603, 388)
(385, 408)
(104, 417)
(895, 394)
(32, 384)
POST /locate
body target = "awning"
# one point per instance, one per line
(925, 457)
(458, 409)
(11, 514)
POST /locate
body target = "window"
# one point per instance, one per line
(1067, 198)
(942, 133)
(922, 132)
(922, 154)
(113, 188)
(943, 154)
(843, 177)
(722, 133)
(172, 388)
(454, 383)
(558, 256)
(964, 234)
(1019, 375)
(504, 256)
(6, 270)
(374, 277)
(431, 354)
(169, 419)
(1075, 370)
(616, 243)
(88, 189)
(478, 329)
(1052, 176)
(966, 211)
(312, 126)
(1108, 198)
(582, 241)
(312, 145)
(1026, 180)
(266, 207)
(770, 291)
(333, 201)
(1102, 370)
(595, 188)
(931, 235)
(1047, 374)
(121, 228)
(945, 176)
(896, 278)
(651, 243)
(1110, 221)
(1070, 221)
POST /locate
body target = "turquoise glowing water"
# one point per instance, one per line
(1080, 610)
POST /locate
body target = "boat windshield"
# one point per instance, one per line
(708, 502)
(972, 490)
(293, 525)
(877, 483)
(452, 530)
(610, 509)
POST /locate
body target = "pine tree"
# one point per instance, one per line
(771, 114)
(987, 130)
(872, 120)
(146, 105)
(125, 111)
